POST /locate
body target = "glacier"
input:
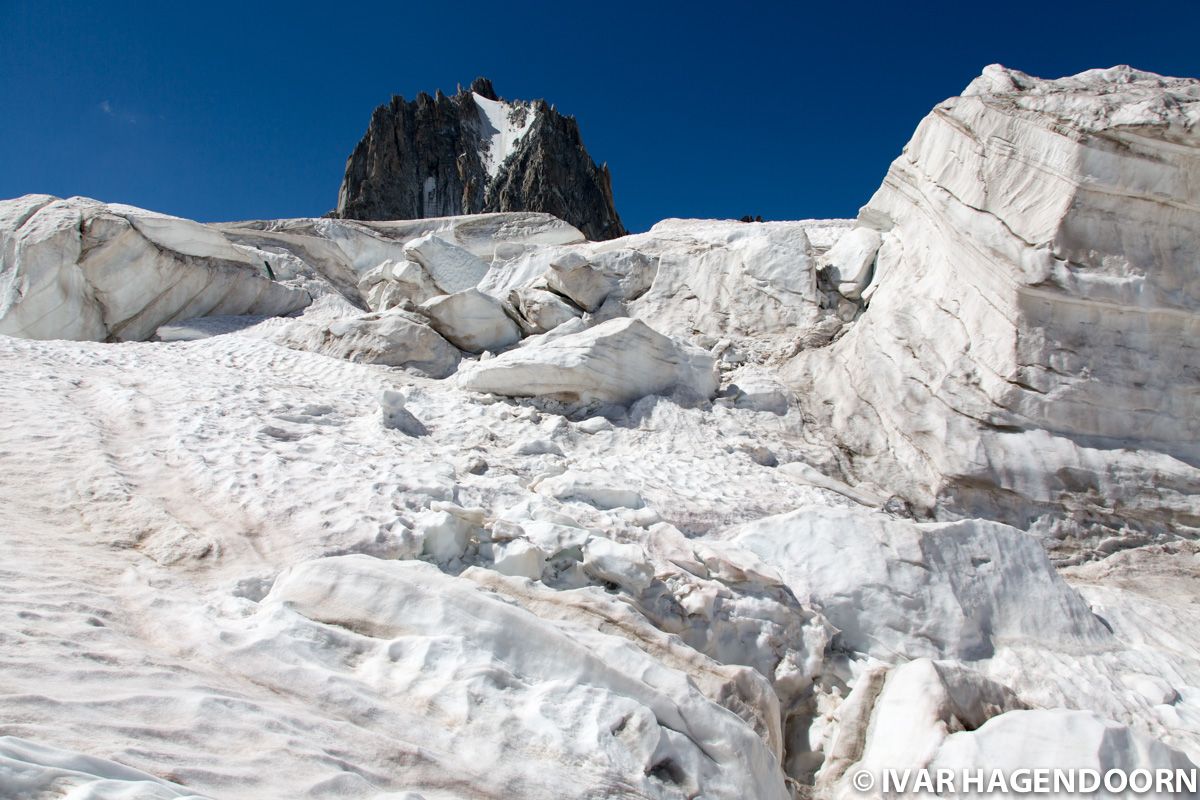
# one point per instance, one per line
(472, 506)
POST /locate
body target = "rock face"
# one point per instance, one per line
(81, 269)
(1030, 275)
(473, 153)
(615, 362)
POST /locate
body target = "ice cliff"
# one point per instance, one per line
(1028, 349)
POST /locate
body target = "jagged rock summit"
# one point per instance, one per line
(473, 153)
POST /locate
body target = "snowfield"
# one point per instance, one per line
(472, 508)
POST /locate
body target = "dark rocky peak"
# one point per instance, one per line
(474, 153)
(483, 87)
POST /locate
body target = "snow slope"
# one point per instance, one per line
(168, 538)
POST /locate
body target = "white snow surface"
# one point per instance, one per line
(453, 268)
(188, 476)
(471, 320)
(720, 510)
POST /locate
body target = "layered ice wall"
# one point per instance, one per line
(1029, 269)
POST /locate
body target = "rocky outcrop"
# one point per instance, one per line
(1029, 273)
(551, 171)
(473, 153)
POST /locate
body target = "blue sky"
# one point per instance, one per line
(219, 111)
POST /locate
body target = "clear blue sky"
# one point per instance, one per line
(219, 111)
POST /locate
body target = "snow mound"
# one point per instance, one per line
(1076, 740)
(348, 255)
(392, 338)
(453, 268)
(472, 321)
(615, 362)
(29, 769)
(686, 277)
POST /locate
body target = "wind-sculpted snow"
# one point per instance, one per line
(898, 718)
(28, 769)
(394, 338)
(452, 268)
(933, 715)
(504, 513)
(79, 269)
(748, 281)
(1028, 352)
(472, 321)
(194, 473)
(149, 624)
(1042, 738)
